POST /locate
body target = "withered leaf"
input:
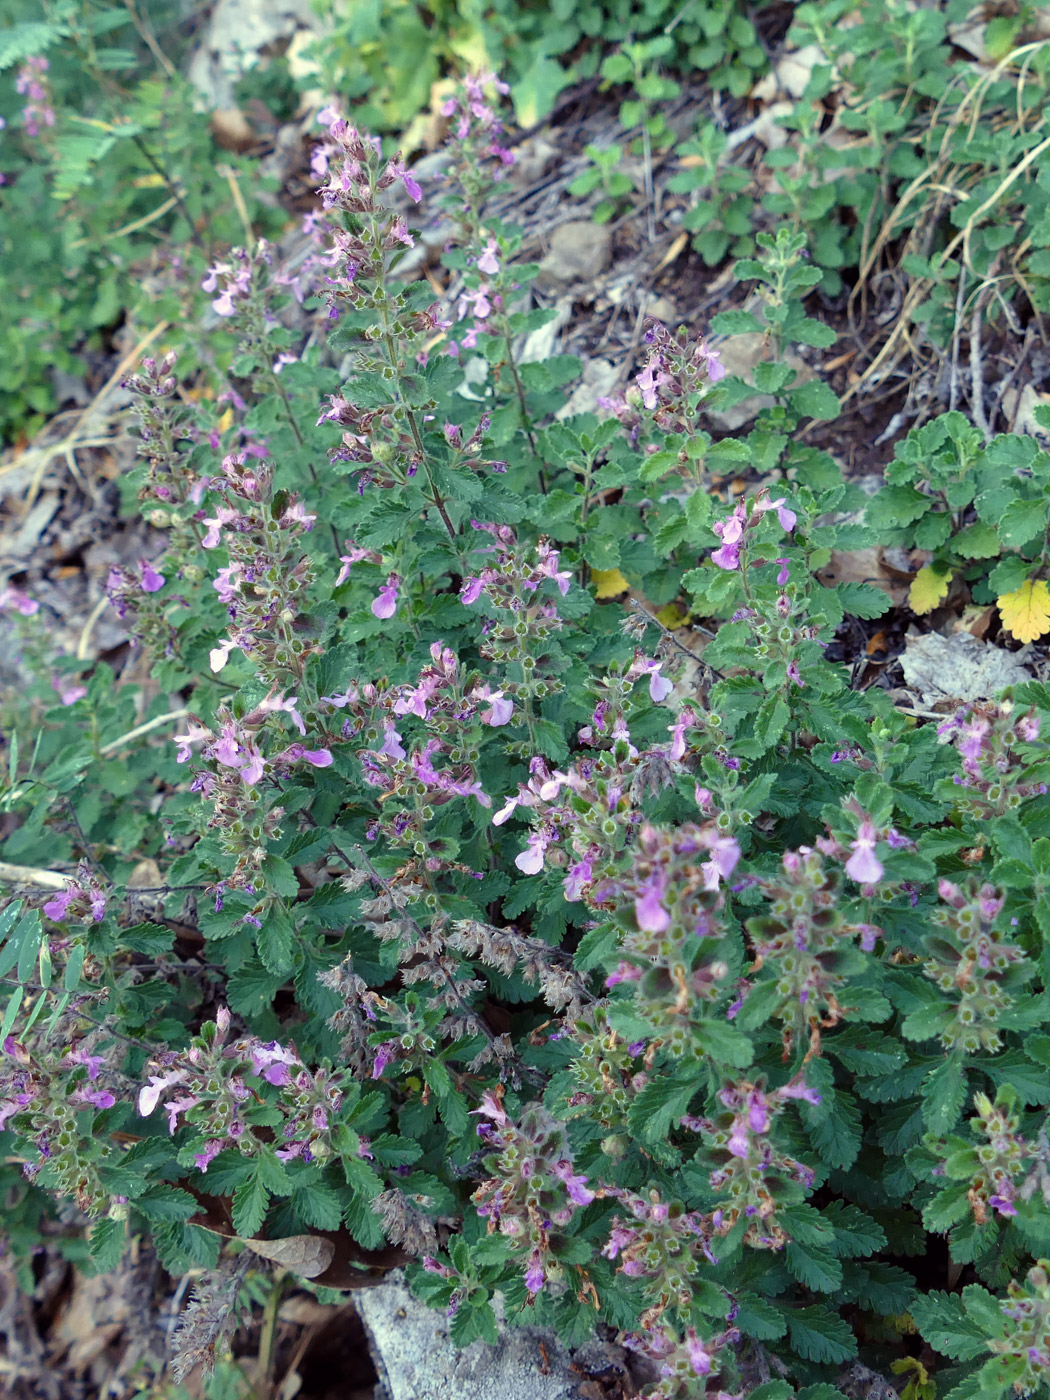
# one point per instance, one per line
(306, 1255)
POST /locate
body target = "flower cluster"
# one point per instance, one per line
(751, 1175)
(977, 966)
(207, 1087)
(994, 744)
(262, 585)
(1027, 1345)
(51, 1100)
(682, 1360)
(735, 532)
(805, 949)
(533, 1190)
(32, 84)
(660, 1242)
(82, 900)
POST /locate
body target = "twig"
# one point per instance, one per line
(977, 372)
(141, 729)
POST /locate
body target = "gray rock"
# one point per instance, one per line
(579, 251)
(416, 1359)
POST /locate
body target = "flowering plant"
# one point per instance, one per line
(486, 923)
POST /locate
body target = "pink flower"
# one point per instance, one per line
(716, 370)
(273, 704)
(391, 745)
(68, 690)
(218, 656)
(488, 262)
(726, 557)
(863, 865)
(659, 686)
(535, 1277)
(15, 598)
(530, 861)
(149, 1094)
(738, 1144)
(785, 515)
(649, 910)
(500, 712)
(385, 604)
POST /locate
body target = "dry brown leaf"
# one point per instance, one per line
(865, 566)
(231, 130)
(305, 1255)
(145, 876)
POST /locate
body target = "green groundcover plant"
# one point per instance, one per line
(423, 901)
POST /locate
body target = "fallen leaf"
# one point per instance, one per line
(877, 644)
(929, 587)
(305, 1255)
(609, 583)
(959, 667)
(1026, 613)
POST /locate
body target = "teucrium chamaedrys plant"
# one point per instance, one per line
(643, 998)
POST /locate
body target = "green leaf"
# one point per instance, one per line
(862, 600)
(815, 400)
(834, 1129)
(815, 1268)
(944, 1092)
(856, 1234)
(107, 1244)
(249, 1206)
(947, 1327)
(820, 1335)
(759, 1318)
(658, 1104)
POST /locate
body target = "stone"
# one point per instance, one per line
(579, 251)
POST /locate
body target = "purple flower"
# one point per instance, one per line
(699, 1357)
(535, 1277)
(271, 1061)
(575, 1185)
(649, 911)
(208, 1153)
(863, 865)
(152, 582)
(56, 906)
(385, 604)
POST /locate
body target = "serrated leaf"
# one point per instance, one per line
(107, 1243)
(250, 1201)
(1026, 612)
(928, 588)
(944, 1091)
(657, 1105)
(813, 1267)
(820, 1335)
(948, 1329)
(759, 1318)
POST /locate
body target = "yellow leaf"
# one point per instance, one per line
(1026, 613)
(226, 421)
(672, 615)
(928, 588)
(610, 583)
